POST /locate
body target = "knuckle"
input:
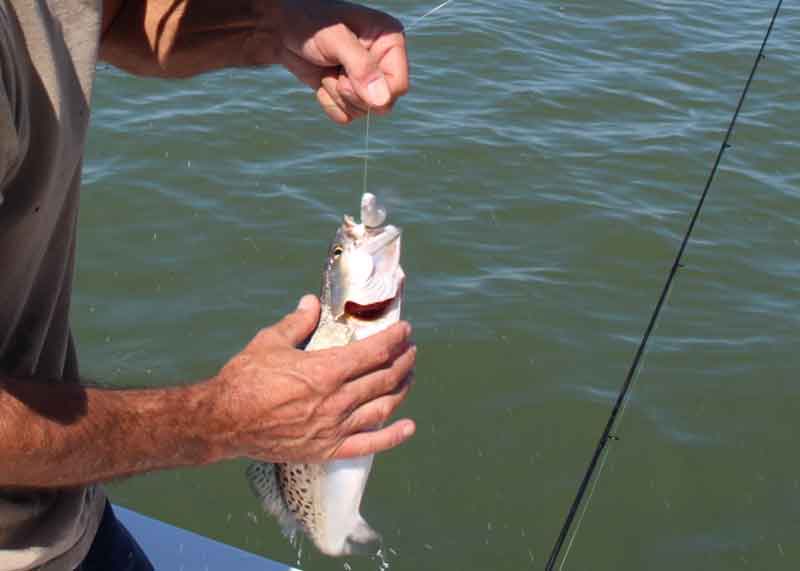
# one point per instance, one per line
(383, 354)
(385, 410)
(404, 363)
(319, 376)
(393, 380)
(340, 29)
(263, 335)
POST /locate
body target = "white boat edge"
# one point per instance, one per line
(170, 547)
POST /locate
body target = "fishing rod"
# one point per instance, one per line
(608, 434)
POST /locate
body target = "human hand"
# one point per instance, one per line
(352, 56)
(279, 404)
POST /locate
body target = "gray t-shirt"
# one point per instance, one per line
(48, 52)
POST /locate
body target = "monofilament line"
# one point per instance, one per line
(366, 149)
(414, 24)
(426, 14)
(623, 393)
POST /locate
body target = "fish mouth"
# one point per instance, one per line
(370, 311)
(375, 310)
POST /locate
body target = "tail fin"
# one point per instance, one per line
(363, 540)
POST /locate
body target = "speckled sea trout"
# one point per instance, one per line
(362, 288)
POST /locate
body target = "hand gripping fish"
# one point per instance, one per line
(362, 288)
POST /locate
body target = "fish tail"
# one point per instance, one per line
(363, 539)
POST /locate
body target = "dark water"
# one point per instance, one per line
(544, 168)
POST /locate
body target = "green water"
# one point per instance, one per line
(543, 167)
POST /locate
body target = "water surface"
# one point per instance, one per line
(543, 167)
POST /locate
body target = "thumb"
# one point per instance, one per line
(298, 325)
(361, 68)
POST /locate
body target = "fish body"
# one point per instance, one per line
(361, 295)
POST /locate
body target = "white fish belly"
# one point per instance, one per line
(342, 487)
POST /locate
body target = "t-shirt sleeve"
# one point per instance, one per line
(10, 135)
(9, 139)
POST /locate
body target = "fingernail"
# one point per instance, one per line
(408, 429)
(407, 328)
(306, 302)
(379, 92)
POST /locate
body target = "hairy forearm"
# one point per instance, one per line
(181, 38)
(62, 435)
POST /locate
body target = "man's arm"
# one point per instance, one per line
(181, 38)
(271, 402)
(62, 435)
(353, 57)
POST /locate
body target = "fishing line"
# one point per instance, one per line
(426, 14)
(366, 150)
(621, 401)
(413, 25)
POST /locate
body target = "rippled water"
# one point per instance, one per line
(544, 168)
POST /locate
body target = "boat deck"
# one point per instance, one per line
(173, 548)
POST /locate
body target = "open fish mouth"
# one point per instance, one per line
(375, 310)
(369, 312)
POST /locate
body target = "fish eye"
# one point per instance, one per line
(337, 251)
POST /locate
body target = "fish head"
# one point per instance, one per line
(363, 279)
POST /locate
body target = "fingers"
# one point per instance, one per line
(340, 104)
(295, 327)
(332, 109)
(390, 51)
(360, 65)
(376, 412)
(372, 353)
(384, 38)
(366, 443)
(324, 82)
(302, 69)
(344, 88)
(362, 48)
(381, 382)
